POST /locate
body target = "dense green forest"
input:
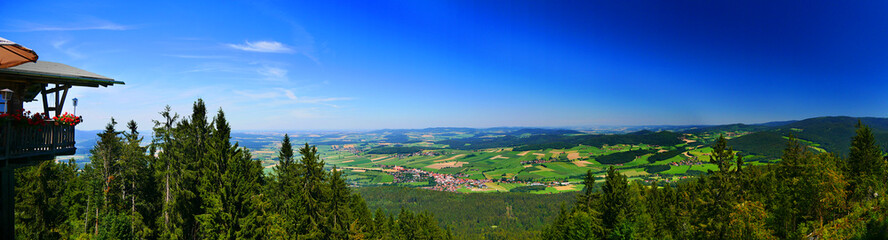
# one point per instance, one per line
(768, 144)
(623, 157)
(807, 195)
(660, 156)
(473, 216)
(190, 182)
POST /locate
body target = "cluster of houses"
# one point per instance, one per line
(417, 154)
(443, 181)
(450, 183)
(536, 161)
(687, 162)
(348, 148)
(666, 180)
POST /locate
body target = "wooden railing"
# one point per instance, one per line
(35, 141)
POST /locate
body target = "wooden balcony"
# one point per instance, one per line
(27, 143)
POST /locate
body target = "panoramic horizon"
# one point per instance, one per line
(442, 120)
(395, 65)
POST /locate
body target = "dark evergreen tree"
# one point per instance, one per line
(313, 191)
(167, 164)
(866, 162)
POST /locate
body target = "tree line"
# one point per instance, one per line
(191, 182)
(807, 195)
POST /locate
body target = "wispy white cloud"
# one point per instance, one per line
(252, 71)
(72, 52)
(91, 24)
(257, 95)
(282, 96)
(262, 46)
(323, 100)
(196, 56)
(289, 94)
(273, 73)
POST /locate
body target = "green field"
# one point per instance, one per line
(507, 169)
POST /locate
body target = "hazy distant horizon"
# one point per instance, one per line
(577, 127)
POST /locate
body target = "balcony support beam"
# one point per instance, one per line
(59, 102)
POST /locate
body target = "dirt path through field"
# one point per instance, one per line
(365, 169)
(573, 155)
(496, 186)
(523, 153)
(451, 158)
(446, 165)
(581, 163)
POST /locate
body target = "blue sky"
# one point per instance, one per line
(314, 65)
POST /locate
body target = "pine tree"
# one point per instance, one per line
(339, 216)
(284, 190)
(136, 177)
(615, 201)
(167, 163)
(194, 136)
(722, 155)
(39, 210)
(105, 157)
(363, 219)
(866, 162)
(312, 185)
(586, 199)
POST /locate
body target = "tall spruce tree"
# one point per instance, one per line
(194, 135)
(313, 191)
(137, 181)
(722, 155)
(284, 192)
(587, 198)
(167, 162)
(339, 217)
(867, 164)
(615, 202)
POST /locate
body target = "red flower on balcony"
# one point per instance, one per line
(25, 118)
(67, 119)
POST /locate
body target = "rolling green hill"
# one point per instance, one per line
(544, 141)
(834, 133)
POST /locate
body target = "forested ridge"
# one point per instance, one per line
(190, 182)
(556, 141)
(806, 196)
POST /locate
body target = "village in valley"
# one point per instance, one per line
(419, 158)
